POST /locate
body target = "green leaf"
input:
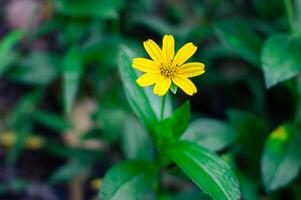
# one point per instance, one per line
(252, 131)
(51, 120)
(101, 48)
(93, 134)
(133, 180)
(281, 157)
(188, 193)
(136, 142)
(209, 172)
(37, 68)
(85, 155)
(210, 133)
(173, 88)
(23, 128)
(72, 72)
(7, 54)
(24, 109)
(135, 94)
(174, 126)
(110, 118)
(69, 170)
(280, 59)
(238, 37)
(22, 133)
(105, 9)
(154, 23)
(249, 188)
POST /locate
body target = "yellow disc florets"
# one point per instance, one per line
(168, 70)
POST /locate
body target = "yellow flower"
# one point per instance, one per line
(166, 67)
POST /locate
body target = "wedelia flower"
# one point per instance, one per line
(167, 67)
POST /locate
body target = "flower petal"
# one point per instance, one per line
(184, 54)
(185, 84)
(145, 65)
(153, 51)
(162, 86)
(191, 69)
(147, 79)
(168, 47)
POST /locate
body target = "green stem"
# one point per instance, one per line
(163, 107)
(290, 14)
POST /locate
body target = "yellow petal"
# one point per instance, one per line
(191, 69)
(162, 86)
(153, 51)
(168, 47)
(147, 79)
(185, 84)
(184, 54)
(145, 65)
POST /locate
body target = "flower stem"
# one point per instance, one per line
(163, 107)
(290, 14)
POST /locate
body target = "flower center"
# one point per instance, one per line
(168, 70)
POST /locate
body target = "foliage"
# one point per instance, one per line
(72, 112)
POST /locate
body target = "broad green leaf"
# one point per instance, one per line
(135, 94)
(154, 23)
(105, 9)
(72, 72)
(22, 133)
(280, 59)
(135, 180)
(93, 134)
(212, 174)
(188, 193)
(281, 157)
(249, 189)
(179, 120)
(238, 37)
(136, 143)
(69, 170)
(24, 109)
(85, 155)
(110, 118)
(37, 68)
(210, 133)
(7, 54)
(51, 120)
(102, 48)
(174, 126)
(252, 131)
(23, 128)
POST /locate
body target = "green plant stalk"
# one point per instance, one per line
(163, 107)
(159, 187)
(290, 14)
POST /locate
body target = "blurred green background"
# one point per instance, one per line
(64, 119)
